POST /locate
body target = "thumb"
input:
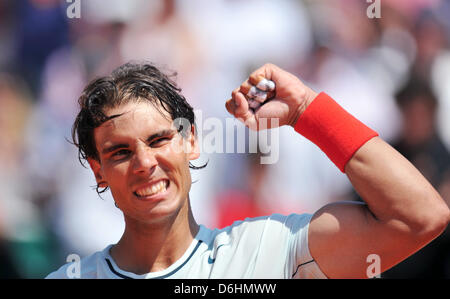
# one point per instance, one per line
(242, 110)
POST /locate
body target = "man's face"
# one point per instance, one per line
(144, 161)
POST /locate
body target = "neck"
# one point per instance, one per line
(151, 247)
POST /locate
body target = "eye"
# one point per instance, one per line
(120, 154)
(159, 141)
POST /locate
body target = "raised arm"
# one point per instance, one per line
(402, 214)
(402, 211)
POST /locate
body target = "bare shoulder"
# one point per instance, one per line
(341, 237)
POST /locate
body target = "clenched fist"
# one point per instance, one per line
(288, 101)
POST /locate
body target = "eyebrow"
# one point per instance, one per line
(159, 134)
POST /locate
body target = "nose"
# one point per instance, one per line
(144, 160)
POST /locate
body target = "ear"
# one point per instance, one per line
(97, 170)
(194, 152)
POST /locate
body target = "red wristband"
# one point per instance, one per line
(335, 131)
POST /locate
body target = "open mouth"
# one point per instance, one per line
(153, 189)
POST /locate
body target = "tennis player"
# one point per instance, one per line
(128, 131)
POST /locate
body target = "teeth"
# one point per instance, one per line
(154, 189)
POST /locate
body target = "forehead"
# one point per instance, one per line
(132, 120)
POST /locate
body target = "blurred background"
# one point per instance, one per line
(391, 72)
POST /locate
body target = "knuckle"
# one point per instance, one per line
(245, 88)
(228, 106)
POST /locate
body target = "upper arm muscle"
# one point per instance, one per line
(342, 236)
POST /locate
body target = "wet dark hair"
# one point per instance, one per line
(129, 82)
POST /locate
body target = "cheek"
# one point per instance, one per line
(116, 175)
(176, 166)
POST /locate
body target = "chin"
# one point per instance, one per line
(164, 210)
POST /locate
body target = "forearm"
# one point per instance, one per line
(394, 189)
(402, 213)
